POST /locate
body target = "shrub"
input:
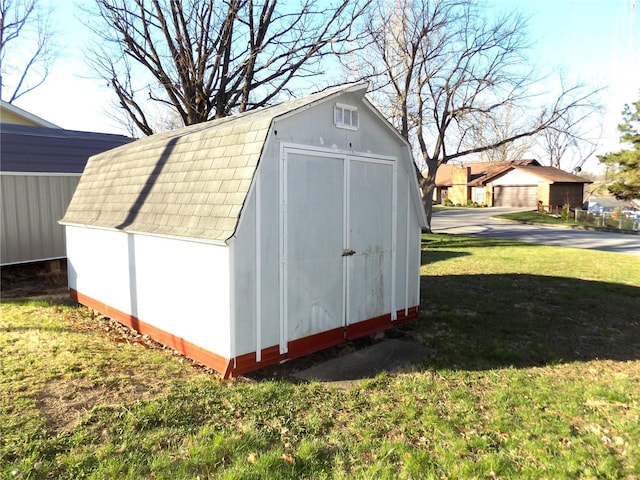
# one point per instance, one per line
(447, 202)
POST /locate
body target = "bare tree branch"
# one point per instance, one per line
(26, 47)
(448, 73)
(209, 58)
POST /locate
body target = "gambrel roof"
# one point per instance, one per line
(191, 182)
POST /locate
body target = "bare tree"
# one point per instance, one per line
(498, 128)
(26, 48)
(209, 58)
(444, 69)
(570, 141)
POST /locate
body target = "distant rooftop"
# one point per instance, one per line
(30, 149)
(482, 173)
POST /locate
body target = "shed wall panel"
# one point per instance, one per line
(98, 265)
(182, 287)
(31, 208)
(315, 128)
(246, 282)
(177, 286)
(257, 260)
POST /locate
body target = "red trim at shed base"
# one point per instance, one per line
(247, 362)
(179, 344)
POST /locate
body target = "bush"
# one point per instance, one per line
(447, 202)
(566, 212)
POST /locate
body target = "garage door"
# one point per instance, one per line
(515, 196)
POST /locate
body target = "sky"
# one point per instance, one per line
(595, 42)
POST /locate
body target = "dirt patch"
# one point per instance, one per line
(63, 403)
(289, 369)
(34, 279)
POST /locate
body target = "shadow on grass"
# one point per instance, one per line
(434, 256)
(494, 321)
(482, 322)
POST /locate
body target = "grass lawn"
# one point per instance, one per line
(532, 216)
(598, 223)
(534, 372)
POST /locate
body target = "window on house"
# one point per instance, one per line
(346, 116)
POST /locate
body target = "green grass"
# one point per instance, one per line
(597, 223)
(534, 372)
(532, 216)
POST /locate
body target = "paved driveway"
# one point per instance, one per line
(478, 221)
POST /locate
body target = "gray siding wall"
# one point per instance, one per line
(31, 208)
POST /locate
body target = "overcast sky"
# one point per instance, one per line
(592, 41)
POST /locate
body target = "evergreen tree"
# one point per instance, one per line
(627, 178)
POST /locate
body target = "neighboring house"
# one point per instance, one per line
(12, 115)
(608, 205)
(39, 170)
(521, 183)
(256, 238)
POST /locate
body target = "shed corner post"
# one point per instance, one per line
(394, 241)
(282, 172)
(232, 308)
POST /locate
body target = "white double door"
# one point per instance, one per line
(338, 219)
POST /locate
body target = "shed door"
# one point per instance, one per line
(313, 239)
(370, 237)
(336, 245)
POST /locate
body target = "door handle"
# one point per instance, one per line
(348, 252)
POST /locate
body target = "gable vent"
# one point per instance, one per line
(346, 116)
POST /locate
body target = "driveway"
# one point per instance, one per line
(479, 221)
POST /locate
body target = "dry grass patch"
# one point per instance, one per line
(64, 361)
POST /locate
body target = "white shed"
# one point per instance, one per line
(252, 239)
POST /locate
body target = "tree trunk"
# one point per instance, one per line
(428, 185)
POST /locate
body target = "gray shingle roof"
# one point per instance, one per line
(30, 149)
(191, 182)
